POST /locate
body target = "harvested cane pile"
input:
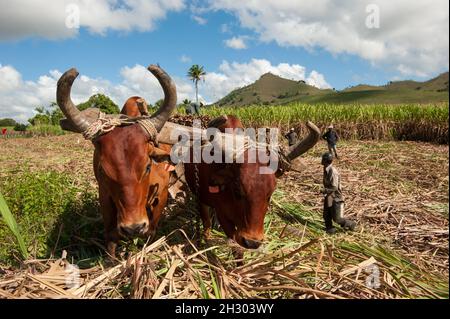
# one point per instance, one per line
(188, 120)
(400, 194)
(309, 269)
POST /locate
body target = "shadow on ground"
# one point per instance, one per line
(78, 231)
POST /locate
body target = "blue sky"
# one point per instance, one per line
(176, 36)
(327, 43)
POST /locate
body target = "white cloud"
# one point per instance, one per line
(9, 78)
(47, 19)
(237, 43)
(406, 70)
(137, 80)
(234, 75)
(185, 59)
(18, 97)
(413, 37)
(200, 20)
(318, 80)
(225, 28)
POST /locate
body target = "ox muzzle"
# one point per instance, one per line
(251, 243)
(134, 230)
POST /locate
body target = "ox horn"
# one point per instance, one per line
(306, 144)
(78, 122)
(160, 117)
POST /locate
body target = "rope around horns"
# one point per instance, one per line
(104, 125)
(284, 165)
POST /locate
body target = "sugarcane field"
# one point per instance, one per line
(218, 170)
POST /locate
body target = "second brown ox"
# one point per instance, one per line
(238, 192)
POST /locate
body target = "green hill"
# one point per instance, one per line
(271, 89)
(362, 87)
(439, 84)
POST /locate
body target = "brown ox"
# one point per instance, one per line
(239, 194)
(135, 106)
(124, 163)
(158, 191)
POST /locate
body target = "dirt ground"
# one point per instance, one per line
(396, 191)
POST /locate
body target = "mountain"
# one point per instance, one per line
(439, 84)
(271, 89)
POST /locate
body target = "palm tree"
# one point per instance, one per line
(196, 73)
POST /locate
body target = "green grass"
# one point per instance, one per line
(45, 130)
(439, 208)
(37, 130)
(53, 213)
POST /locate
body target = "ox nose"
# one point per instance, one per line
(250, 243)
(134, 230)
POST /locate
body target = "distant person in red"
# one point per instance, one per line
(4, 131)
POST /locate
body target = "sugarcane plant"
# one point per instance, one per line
(10, 221)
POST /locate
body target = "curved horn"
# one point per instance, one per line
(304, 145)
(160, 117)
(79, 122)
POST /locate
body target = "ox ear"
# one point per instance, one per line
(142, 106)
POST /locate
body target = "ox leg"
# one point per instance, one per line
(109, 213)
(206, 220)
